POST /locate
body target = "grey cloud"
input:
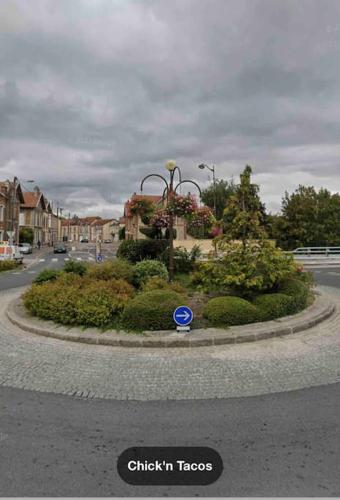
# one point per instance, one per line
(96, 95)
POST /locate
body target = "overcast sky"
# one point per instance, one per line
(95, 94)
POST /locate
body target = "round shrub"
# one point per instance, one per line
(151, 310)
(75, 267)
(111, 269)
(149, 268)
(274, 305)
(46, 275)
(228, 311)
(298, 290)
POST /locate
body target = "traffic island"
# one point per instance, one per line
(321, 309)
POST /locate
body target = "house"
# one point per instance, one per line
(134, 224)
(93, 229)
(11, 197)
(34, 215)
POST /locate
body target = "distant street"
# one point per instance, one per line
(45, 258)
(283, 444)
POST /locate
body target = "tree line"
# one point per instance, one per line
(308, 217)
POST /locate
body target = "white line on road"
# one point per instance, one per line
(32, 272)
(54, 260)
(16, 273)
(79, 258)
(41, 260)
(66, 258)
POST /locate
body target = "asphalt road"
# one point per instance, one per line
(38, 261)
(285, 444)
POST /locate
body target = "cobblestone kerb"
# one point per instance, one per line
(320, 310)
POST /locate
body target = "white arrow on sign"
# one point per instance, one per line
(185, 315)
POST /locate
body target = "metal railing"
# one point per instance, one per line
(309, 251)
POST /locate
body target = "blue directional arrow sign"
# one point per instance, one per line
(183, 315)
(100, 258)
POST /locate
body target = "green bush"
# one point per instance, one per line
(297, 289)
(274, 305)
(73, 300)
(228, 311)
(99, 303)
(184, 260)
(147, 269)
(151, 310)
(75, 267)
(257, 267)
(156, 283)
(46, 275)
(111, 269)
(137, 250)
(7, 265)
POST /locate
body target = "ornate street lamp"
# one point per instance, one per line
(169, 190)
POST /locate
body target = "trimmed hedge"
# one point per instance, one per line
(111, 269)
(7, 265)
(297, 289)
(47, 275)
(156, 283)
(137, 250)
(148, 269)
(228, 311)
(151, 310)
(274, 305)
(75, 267)
(73, 300)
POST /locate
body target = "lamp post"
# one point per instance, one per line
(202, 166)
(169, 190)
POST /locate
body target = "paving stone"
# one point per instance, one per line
(284, 363)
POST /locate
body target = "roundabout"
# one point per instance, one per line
(283, 363)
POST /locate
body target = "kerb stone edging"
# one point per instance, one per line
(320, 310)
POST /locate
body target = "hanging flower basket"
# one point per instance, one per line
(160, 218)
(141, 207)
(182, 206)
(202, 217)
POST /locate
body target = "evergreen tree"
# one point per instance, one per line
(222, 190)
(244, 216)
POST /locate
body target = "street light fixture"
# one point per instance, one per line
(169, 191)
(202, 166)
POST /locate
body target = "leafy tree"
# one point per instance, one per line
(224, 190)
(26, 235)
(244, 216)
(310, 218)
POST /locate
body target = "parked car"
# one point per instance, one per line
(25, 248)
(60, 248)
(84, 240)
(108, 241)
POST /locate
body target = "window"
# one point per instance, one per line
(2, 213)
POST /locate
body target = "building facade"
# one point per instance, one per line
(11, 197)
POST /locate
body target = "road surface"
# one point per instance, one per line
(284, 444)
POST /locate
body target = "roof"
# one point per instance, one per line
(32, 199)
(138, 197)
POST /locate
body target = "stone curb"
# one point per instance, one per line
(320, 310)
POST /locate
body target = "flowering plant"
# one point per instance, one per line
(141, 207)
(160, 218)
(182, 206)
(202, 217)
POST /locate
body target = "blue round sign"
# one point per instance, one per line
(100, 258)
(183, 316)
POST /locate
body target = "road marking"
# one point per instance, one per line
(333, 273)
(41, 260)
(79, 258)
(16, 273)
(91, 258)
(32, 272)
(66, 258)
(54, 260)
